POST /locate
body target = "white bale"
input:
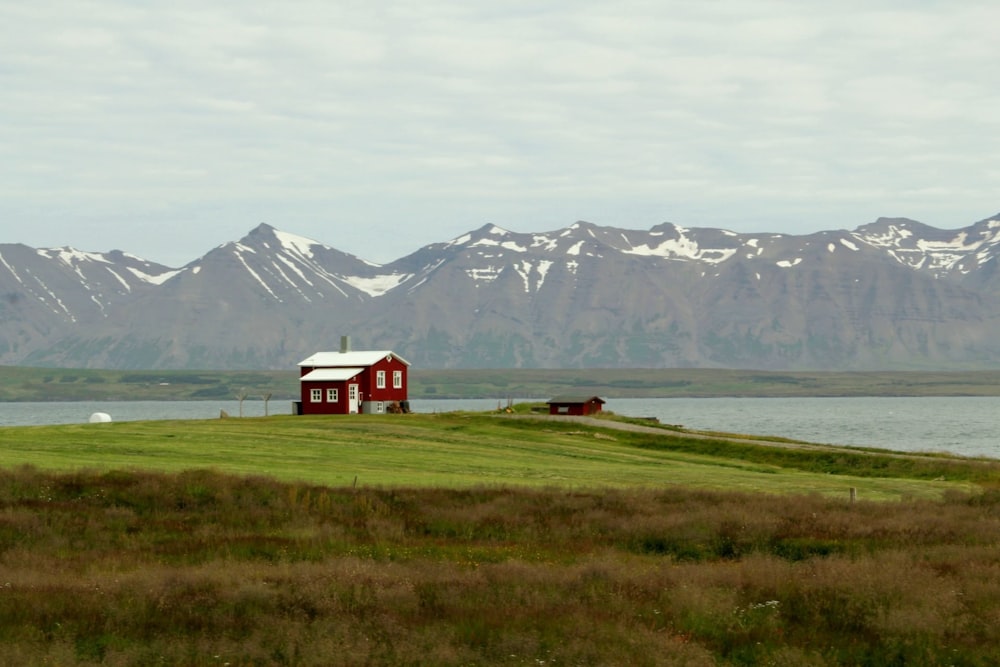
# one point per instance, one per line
(100, 418)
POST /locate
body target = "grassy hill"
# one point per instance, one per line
(466, 449)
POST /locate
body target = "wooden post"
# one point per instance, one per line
(854, 494)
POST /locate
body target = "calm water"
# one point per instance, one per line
(964, 425)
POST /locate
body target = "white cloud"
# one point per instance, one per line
(167, 128)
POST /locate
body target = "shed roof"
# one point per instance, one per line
(575, 398)
(331, 374)
(353, 358)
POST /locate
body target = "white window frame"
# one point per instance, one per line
(332, 395)
(379, 407)
(380, 379)
(397, 379)
(315, 395)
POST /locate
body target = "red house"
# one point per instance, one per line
(349, 382)
(575, 405)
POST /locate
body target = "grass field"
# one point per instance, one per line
(466, 449)
(486, 539)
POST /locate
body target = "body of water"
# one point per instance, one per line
(76, 412)
(969, 426)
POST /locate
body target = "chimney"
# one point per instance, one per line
(345, 344)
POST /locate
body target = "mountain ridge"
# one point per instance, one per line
(891, 294)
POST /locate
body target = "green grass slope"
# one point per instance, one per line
(468, 449)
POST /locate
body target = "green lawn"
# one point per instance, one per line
(463, 450)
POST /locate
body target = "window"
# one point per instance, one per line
(380, 407)
(397, 379)
(332, 395)
(380, 379)
(316, 395)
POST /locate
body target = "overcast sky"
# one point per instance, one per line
(165, 128)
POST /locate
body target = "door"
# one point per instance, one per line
(352, 399)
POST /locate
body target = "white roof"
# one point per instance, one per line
(334, 374)
(354, 358)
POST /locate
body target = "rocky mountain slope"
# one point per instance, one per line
(891, 294)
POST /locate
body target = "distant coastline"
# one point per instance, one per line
(18, 383)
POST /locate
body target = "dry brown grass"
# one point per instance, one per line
(204, 569)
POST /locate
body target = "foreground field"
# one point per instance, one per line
(200, 568)
(486, 539)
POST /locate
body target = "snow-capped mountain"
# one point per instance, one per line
(891, 294)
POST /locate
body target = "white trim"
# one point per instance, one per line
(397, 379)
(332, 395)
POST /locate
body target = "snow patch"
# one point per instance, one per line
(11, 269)
(256, 276)
(71, 256)
(575, 248)
(683, 248)
(511, 245)
(546, 243)
(787, 264)
(128, 288)
(488, 274)
(847, 244)
(378, 285)
(891, 238)
(291, 265)
(56, 299)
(158, 279)
(288, 280)
(524, 270)
(543, 270)
(295, 244)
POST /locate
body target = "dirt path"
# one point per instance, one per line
(654, 430)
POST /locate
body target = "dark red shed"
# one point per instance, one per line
(575, 405)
